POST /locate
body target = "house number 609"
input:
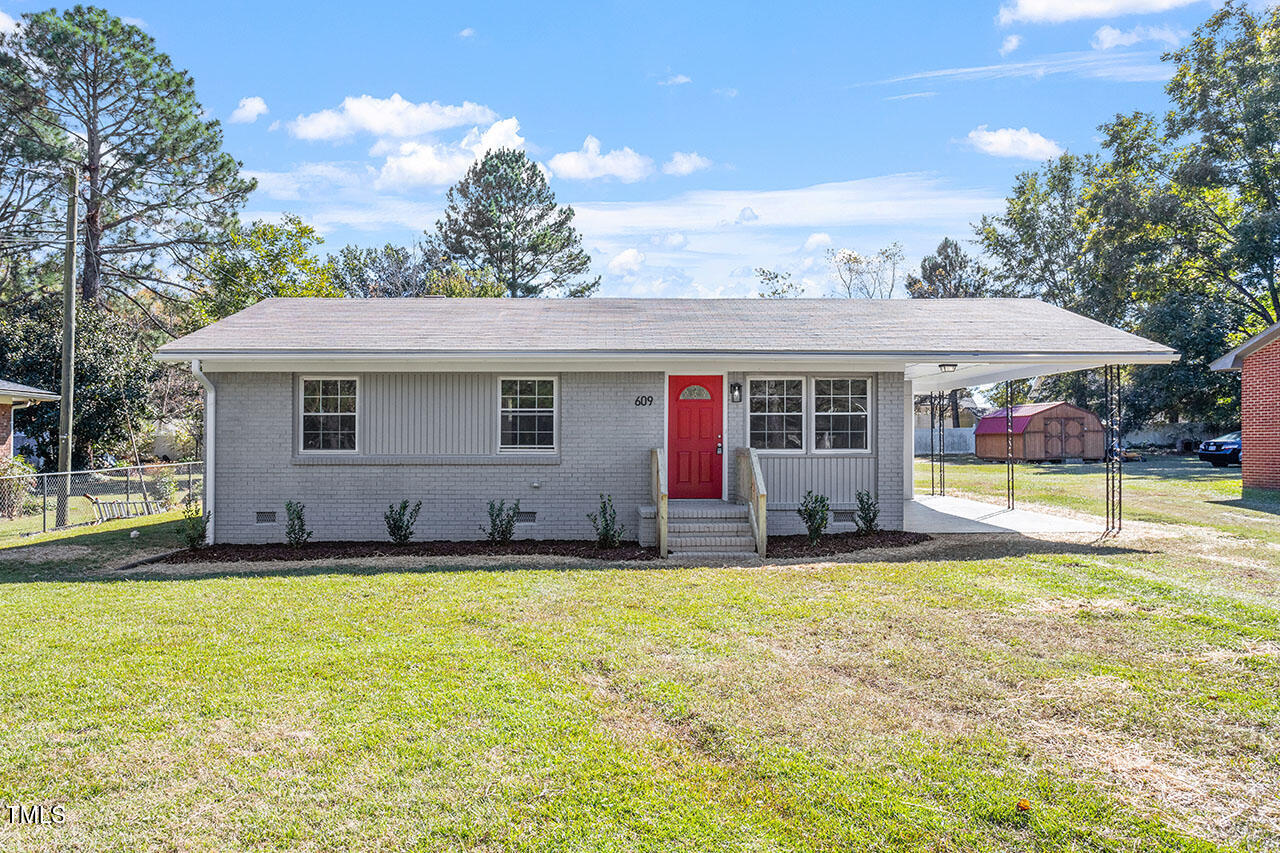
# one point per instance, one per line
(644, 400)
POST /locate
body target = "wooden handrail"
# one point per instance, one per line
(658, 470)
(752, 490)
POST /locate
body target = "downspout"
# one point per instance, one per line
(210, 399)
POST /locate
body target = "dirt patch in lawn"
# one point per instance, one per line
(834, 544)
(44, 553)
(276, 552)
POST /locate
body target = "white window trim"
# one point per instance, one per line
(302, 381)
(806, 404)
(812, 433)
(555, 417)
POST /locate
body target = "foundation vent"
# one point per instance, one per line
(265, 518)
(523, 517)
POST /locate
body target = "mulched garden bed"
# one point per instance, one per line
(780, 547)
(345, 550)
(832, 544)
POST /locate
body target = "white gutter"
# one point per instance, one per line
(210, 399)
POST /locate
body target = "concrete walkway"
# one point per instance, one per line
(938, 514)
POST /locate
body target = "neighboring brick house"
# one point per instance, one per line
(1258, 360)
(14, 396)
(680, 409)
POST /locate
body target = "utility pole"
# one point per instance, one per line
(67, 404)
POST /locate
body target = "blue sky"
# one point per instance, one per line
(696, 140)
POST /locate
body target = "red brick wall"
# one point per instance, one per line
(6, 430)
(1260, 401)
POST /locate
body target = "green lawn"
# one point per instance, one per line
(1168, 489)
(1129, 692)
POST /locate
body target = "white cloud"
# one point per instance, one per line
(588, 163)
(1108, 37)
(685, 164)
(746, 215)
(1010, 44)
(416, 163)
(307, 179)
(1013, 142)
(249, 110)
(1130, 67)
(889, 202)
(675, 80)
(817, 240)
(466, 33)
(727, 92)
(1057, 11)
(674, 240)
(626, 263)
(387, 117)
(137, 22)
(910, 95)
(7, 24)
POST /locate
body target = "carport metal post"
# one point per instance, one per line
(1114, 453)
(1008, 443)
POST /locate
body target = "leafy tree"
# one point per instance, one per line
(113, 373)
(1040, 245)
(778, 285)
(1224, 195)
(1186, 390)
(456, 282)
(949, 273)
(158, 191)
(859, 276)
(503, 216)
(262, 260)
(399, 271)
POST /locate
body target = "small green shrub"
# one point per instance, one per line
(502, 521)
(400, 521)
(608, 530)
(195, 525)
(295, 529)
(164, 488)
(815, 512)
(868, 514)
(20, 480)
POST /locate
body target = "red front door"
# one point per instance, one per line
(696, 436)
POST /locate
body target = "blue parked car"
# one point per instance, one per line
(1221, 451)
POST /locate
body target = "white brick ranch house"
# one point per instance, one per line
(701, 418)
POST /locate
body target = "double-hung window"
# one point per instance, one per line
(840, 414)
(527, 414)
(329, 414)
(776, 414)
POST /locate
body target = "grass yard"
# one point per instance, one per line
(1128, 691)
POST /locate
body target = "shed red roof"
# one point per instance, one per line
(993, 423)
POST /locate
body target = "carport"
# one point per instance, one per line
(937, 512)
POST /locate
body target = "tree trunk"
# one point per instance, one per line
(91, 281)
(954, 400)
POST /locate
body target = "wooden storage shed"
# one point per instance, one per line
(1042, 432)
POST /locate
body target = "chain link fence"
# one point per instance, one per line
(36, 503)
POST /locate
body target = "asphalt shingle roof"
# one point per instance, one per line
(621, 326)
(16, 389)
